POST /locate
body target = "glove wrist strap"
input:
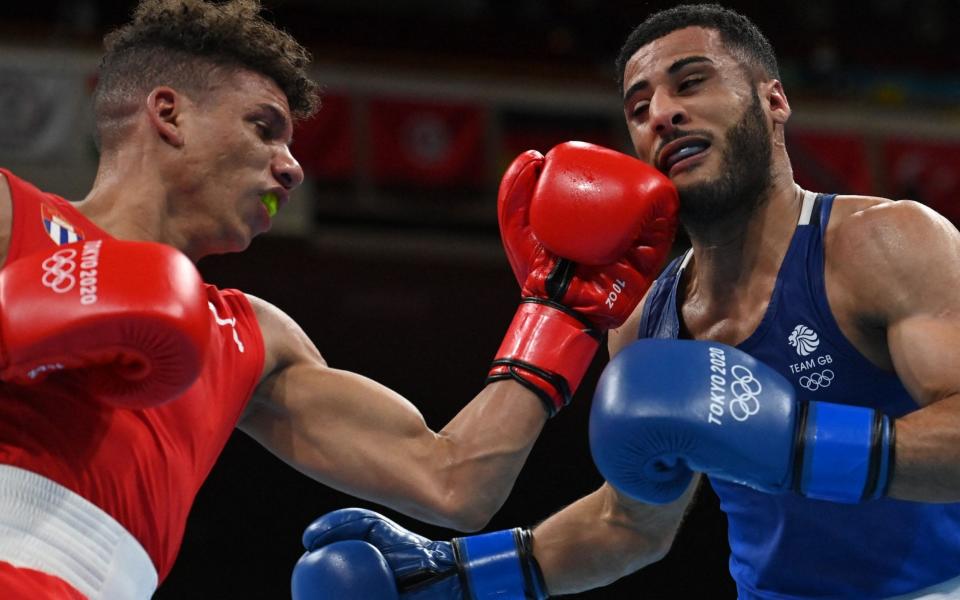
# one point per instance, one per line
(499, 565)
(547, 348)
(847, 453)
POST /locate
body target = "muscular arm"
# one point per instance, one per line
(359, 437)
(901, 262)
(604, 536)
(898, 269)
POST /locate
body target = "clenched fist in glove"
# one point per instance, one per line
(586, 230)
(128, 320)
(357, 553)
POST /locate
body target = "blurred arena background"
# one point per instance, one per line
(389, 255)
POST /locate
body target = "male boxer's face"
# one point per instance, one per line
(238, 147)
(693, 112)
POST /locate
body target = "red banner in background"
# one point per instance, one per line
(324, 143)
(517, 141)
(520, 134)
(830, 162)
(428, 144)
(925, 171)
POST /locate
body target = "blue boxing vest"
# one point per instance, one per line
(784, 546)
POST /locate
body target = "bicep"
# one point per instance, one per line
(909, 284)
(925, 350)
(332, 424)
(918, 302)
(324, 420)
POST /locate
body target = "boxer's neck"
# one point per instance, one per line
(131, 202)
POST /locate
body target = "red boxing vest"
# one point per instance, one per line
(142, 467)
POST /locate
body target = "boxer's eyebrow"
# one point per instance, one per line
(671, 70)
(278, 120)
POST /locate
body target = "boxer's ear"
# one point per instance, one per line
(773, 95)
(164, 106)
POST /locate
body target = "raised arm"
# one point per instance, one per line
(360, 437)
(583, 253)
(901, 263)
(590, 543)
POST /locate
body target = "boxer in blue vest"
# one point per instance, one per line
(806, 361)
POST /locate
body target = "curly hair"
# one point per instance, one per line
(739, 35)
(182, 43)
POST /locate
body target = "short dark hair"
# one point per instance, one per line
(182, 43)
(738, 33)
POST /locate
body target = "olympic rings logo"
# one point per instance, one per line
(745, 389)
(817, 380)
(58, 271)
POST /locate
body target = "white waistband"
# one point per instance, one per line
(945, 590)
(45, 526)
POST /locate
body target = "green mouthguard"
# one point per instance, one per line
(270, 200)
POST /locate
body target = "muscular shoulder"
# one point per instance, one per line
(864, 231)
(888, 251)
(285, 343)
(6, 217)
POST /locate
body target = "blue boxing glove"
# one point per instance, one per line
(666, 408)
(349, 569)
(493, 565)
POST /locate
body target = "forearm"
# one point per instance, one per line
(460, 476)
(603, 537)
(357, 436)
(482, 449)
(927, 456)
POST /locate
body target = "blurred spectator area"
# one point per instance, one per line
(389, 255)
(426, 101)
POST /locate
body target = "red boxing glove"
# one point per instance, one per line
(586, 230)
(129, 320)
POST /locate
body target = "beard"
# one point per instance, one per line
(744, 176)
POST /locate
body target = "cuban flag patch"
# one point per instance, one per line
(60, 230)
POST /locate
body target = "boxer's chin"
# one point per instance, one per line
(744, 176)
